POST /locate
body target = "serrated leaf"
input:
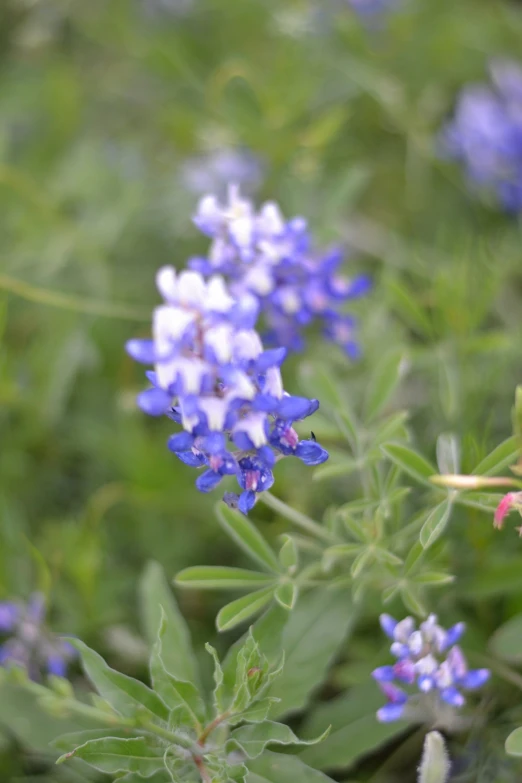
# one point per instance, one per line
(506, 642)
(113, 754)
(311, 638)
(126, 695)
(243, 608)
(286, 595)
(435, 524)
(281, 768)
(410, 461)
(383, 383)
(254, 738)
(514, 743)
(247, 537)
(503, 456)
(155, 595)
(176, 694)
(448, 453)
(221, 578)
(288, 555)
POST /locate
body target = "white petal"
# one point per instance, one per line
(191, 289)
(240, 386)
(254, 426)
(168, 326)
(247, 345)
(215, 410)
(273, 382)
(217, 298)
(167, 284)
(192, 371)
(259, 279)
(219, 338)
(270, 220)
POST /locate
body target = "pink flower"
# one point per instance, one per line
(503, 509)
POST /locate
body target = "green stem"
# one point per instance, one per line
(296, 517)
(211, 726)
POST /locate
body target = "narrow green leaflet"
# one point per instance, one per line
(505, 455)
(257, 712)
(155, 594)
(177, 694)
(410, 461)
(222, 578)
(254, 738)
(383, 383)
(247, 537)
(119, 755)
(219, 691)
(286, 595)
(311, 638)
(342, 468)
(448, 453)
(126, 695)
(435, 524)
(506, 642)
(514, 743)
(355, 729)
(158, 777)
(288, 555)
(243, 608)
(281, 768)
(68, 742)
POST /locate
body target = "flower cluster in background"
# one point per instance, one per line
(429, 659)
(273, 259)
(213, 376)
(486, 134)
(29, 644)
(211, 172)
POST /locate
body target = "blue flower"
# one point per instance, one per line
(422, 661)
(29, 644)
(485, 134)
(213, 376)
(271, 258)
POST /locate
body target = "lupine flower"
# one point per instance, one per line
(211, 173)
(486, 134)
(29, 644)
(272, 259)
(428, 659)
(213, 376)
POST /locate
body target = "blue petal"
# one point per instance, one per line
(56, 665)
(247, 500)
(390, 712)
(190, 458)
(267, 456)
(388, 624)
(453, 635)
(242, 441)
(271, 358)
(181, 441)
(311, 453)
(476, 678)
(265, 402)
(231, 499)
(141, 351)
(383, 674)
(152, 377)
(8, 615)
(452, 696)
(214, 443)
(207, 481)
(296, 407)
(155, 402)
(360, 286)
(425, 683)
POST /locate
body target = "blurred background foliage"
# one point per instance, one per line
(109, 112)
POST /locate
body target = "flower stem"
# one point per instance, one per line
(211, 726)
(296, 517)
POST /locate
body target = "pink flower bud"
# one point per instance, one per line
(503, 509)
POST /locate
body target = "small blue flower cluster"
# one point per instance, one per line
(371, 7)
(213, 376)
(428, 658)
(486, 134)
(29, 643)
(264, 255)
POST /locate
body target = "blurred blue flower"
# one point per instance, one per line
(372, 7)
(485, 134)
(430, 660)
(213, 376)
(272, 259)
(29, 643)
(211, 173)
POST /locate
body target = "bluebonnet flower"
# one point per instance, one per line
(486, 134)
(429, 659)
(370, 8)
(271, 258)
(211, 172)
(213, 376)
(29, 644)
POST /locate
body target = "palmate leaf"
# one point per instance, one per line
(113, 754)
(155, 596)
(247, 537)
(281, 768)
(255, 737)
(177, 694)
(127, 695)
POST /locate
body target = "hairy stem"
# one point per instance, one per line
(211, 726)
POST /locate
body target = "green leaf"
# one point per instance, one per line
(342, 468)
(254, 738)
(363, 559)
(355, 729)
(433, 578)
(177, 694)
(514, 743)
(392, 428)
(311, 638)
(505, 455)
(506, 642)
(162, 776)
(385, 556)
(247, 537)
(288, 555)
(435, 524)
(218, 694)
(412, 601)
(243, 608)
(126, 695)
(281, 768)
(383, 383)
(256, 712)
(222, 578)
(414, 558)
(286, 594)
(113, 754)
(155, 595)
(448, 453)
(72, 740)
(410, 462)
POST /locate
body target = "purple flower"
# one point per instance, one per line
(423, 662)
(213, 376)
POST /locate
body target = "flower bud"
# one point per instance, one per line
(435, 764)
